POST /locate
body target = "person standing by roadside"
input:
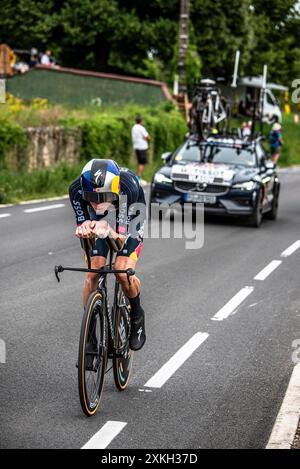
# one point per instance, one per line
(140, 139)
(45, 59)
(276, 141)
(246, 129)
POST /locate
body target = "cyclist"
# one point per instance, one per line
(104, 199)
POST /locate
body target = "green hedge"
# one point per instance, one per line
(290, 154)
(11, 135)
(16, 186)
(109, 134)
(104, 134)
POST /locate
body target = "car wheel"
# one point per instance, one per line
(272, 214)
(256, 218)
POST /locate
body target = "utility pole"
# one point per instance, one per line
(183, 44)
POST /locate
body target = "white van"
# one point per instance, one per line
(271, 110)
(248, 91)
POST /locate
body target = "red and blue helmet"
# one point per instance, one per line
(100, 181)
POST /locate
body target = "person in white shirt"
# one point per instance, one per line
(45, 60)
(140, 139)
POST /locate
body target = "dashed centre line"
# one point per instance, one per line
(232, 304)
(264, 273)
(175, 362)
(291, 249)
(5, 215)
(105, 435)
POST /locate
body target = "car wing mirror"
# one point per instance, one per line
(166, 156)
(270, 165)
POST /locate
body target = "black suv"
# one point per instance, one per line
(230, 176)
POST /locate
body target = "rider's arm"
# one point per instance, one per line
(79, 205)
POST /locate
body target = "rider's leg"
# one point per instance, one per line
(91, 280)
(123, 263)
(138, 336)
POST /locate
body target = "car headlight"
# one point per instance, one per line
(162, 179)
(245, 186)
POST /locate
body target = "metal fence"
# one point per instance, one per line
(78, 88)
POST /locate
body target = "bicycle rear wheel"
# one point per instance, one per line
(123, 355)
(92, 355)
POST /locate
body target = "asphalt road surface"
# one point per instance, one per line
(230, 322)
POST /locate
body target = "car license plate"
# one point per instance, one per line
(204, 199)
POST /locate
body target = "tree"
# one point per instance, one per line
(140, 37)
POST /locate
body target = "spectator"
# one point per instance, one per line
(45, 59)
(246, 129)
(20, 66)
(140, 139)
(276, 141)
(34, 58)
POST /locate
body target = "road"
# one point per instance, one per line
(237, 341)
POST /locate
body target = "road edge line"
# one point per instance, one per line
(287, 420)
(49, 199)
(35, 201)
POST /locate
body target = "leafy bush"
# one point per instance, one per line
(11, 135)
(106, 133)
(16, 186)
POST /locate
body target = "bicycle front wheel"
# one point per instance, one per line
(92, 355)
(123, 355)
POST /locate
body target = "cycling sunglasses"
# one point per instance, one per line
(99, 197)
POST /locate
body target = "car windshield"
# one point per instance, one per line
(216, 154)
(234, 156)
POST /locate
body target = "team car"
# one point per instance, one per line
(230, 176)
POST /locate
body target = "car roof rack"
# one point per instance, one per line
(235, 137)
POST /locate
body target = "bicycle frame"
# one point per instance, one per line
(208, 108)
(102, 286)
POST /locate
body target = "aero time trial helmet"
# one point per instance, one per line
(100, 181)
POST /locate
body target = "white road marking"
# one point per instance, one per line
(286, 424)
(291, 249)
(175, 362)
(5, 215)
(263, 274)
(232, 304)
(45, 207)
(105, 435)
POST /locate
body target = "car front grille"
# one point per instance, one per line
(183, 186)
